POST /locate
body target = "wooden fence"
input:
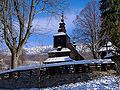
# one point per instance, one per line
(58, 70)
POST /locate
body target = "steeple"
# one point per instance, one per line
(62, 46)
(62, 25)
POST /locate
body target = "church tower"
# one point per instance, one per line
(64, 50)
(61, 38)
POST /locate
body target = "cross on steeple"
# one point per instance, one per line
(62, 17)
(62, 25)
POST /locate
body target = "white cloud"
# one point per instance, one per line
(44, 25)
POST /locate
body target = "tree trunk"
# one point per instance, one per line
(14, 60)
(93, 51)
(94, 54)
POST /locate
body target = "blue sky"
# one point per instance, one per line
(46, 26)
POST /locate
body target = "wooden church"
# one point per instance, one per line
(108, 51)
(63, 48)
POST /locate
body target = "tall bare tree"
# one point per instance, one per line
(17, 21)
(87, 25)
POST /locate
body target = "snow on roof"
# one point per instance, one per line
(73, 62)
(109, 46)
(94, 61)
(58, 59)
(60, 33)
(62, 50)
(22, 68)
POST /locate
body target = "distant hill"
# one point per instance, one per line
(31, 51)
(38, 50)
(44, 49)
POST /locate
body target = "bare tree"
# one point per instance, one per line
(1, 33)
(17, 21)
(87, 25)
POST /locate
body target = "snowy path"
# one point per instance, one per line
(103, 83)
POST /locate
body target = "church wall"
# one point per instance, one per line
(59, 54)
(60, 41)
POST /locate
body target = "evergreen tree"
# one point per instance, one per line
(110, 21)
(115, 22)
(104, 23)
(110, 26)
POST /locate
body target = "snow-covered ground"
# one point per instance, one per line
(103, 83)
